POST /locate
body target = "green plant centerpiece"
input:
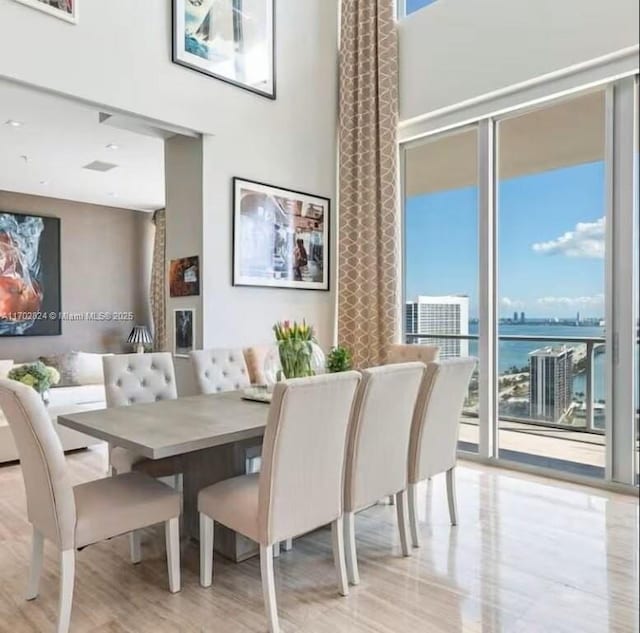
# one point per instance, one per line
(36, 375)
(339, 359)
(296, 343)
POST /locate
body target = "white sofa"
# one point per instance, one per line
(71, 399)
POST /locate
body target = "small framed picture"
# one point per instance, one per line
(280, 237)
(64, 9)
(184, 331)
(184, 277)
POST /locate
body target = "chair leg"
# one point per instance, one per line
(206, 550)
(135, 547)
(337, 538)
(269, 587)
(413, 514)
(402, 522)
(36, 565)
(451, 495)
(350, 544)
(67, 577)
(172, 537)
(288, 545)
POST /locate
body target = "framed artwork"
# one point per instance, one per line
(231, 40)
(63, 9)
(280, 237)
(184, 331)
(29, 275)
(184, 277)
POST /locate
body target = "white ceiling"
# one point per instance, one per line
(59, 137)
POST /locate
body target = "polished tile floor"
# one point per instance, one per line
(529, 556)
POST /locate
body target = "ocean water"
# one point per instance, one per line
(516, 353)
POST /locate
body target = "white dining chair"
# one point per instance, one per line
(300, 486)
(378, 447)
(139, 379)
(219, 369)
(74, 517)
(435, 429)
(412, 353)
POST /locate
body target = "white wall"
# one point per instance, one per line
(120, 55)
(455, 50)
(183, 186)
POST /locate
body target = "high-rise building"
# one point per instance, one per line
(440, 315)
(550, 382)
(515, 317)
(523, 317)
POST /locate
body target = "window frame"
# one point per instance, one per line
(621, 116)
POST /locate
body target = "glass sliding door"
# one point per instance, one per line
(551, 210)
(441, 254)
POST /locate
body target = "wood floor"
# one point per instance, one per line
(529, 556)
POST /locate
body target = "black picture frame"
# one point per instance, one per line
(242, 280)
(184, 342)
(43, 324)
(176, 59)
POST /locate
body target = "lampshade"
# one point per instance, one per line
(139, 335)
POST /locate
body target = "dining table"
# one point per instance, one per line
(210, 435)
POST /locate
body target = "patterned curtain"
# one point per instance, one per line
(369, 220)
(158, 289)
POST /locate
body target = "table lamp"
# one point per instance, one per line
(139, 336)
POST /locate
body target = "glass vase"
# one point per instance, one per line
(293, 359)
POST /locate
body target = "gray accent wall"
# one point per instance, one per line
(105, 265)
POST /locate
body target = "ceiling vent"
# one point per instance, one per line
(98, 165)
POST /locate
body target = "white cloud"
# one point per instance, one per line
(586, 240)
(595, 300)
(506, 302)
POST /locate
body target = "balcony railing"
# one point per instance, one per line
(591, 344)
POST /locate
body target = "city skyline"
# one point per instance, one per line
(550, 222)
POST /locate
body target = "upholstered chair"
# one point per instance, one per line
(401, 353)
(300, 486)
(408, 353)
(74, 517)
(378, 448)
(138, 379)
(435, 428)
(219, 370)
(255, 358)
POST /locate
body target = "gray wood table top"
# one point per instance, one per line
(174, 427)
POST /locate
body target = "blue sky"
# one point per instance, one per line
(414, 5)
(550, 243)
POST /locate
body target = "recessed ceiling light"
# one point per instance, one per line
(14, 123)
(112, 146)
(44, 182)
(112, 194)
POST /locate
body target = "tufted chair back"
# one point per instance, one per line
(139, 378)
(50, 501)
(219, 370)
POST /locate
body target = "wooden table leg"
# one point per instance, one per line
(206, 467)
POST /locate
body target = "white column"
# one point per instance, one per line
(487, 289)
(621, 309)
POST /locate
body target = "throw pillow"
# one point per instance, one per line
(66, 364)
